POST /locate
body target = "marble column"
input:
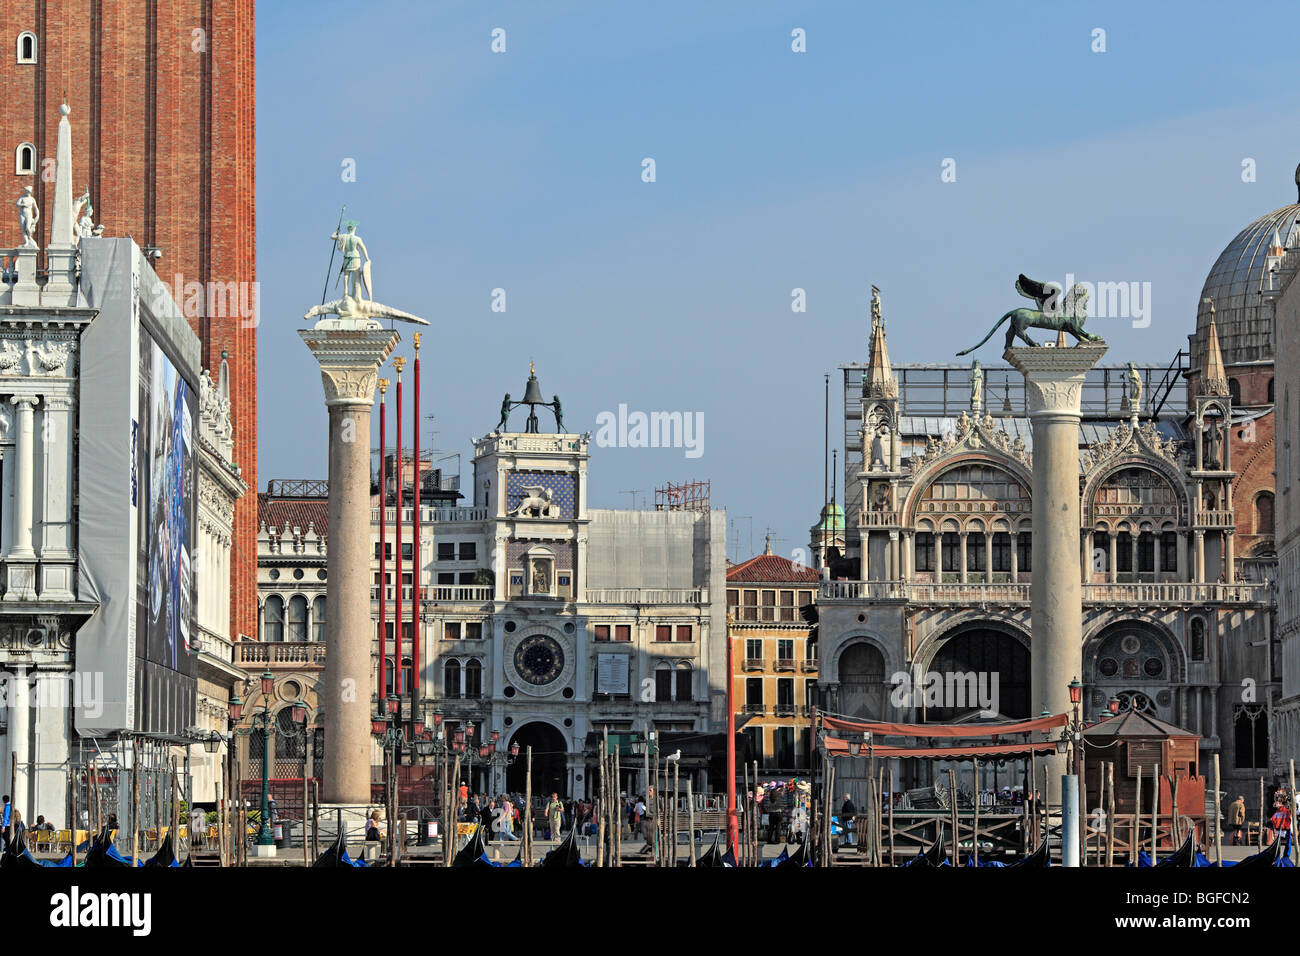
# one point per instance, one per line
(20, 733)
(1053, 383)
(349, 360)
(20, 564)
(1199, 554)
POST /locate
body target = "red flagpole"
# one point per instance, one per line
(399, 363)
(383, 568)
(417, 565)
(733, 821)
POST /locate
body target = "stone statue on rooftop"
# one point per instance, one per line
(1053, 313)
(559, 414)
(976, 386)
(84, 214)
(355, 271)
(29, 214)
(505, 413)
(355, 309)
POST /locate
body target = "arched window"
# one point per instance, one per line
(273, 619)
(1264, 513)
(1198, 639)
(390, 679)
(298, 618)
(451, 679)
(26, 47)
(684, 682)
(1270, 392)
(1234, 391)
(473, 679)
(25, 160)
(318, 619)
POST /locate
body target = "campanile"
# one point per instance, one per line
(164, 90)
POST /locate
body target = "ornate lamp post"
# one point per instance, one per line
(263, 724)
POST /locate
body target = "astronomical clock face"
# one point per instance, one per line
(539, 659)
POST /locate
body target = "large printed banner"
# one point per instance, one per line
(169, 529)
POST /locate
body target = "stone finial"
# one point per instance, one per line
(1214, 380)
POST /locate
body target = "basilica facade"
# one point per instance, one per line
(925, 605)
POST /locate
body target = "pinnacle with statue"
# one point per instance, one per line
(356, 308)
(1054, 313)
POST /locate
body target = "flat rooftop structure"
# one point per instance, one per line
(932, 396)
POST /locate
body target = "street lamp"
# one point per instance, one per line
(263, 723)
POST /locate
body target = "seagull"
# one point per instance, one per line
(676, 756)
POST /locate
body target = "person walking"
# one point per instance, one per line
(1236, 819)
(648, 822)
(507, 818)
(555, 816)
(847, 812)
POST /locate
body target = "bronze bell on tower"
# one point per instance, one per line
(533, 392)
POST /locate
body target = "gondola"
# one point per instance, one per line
(713, 857)
(1039, 858)
(566, 854)
(932, 857)
(798, 858)
(337, 855)
(1271, 855)
(474, 852)
(165, 856)
(103, 855)
(1184, 856)
(17, 856)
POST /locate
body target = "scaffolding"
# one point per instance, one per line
(689, 496)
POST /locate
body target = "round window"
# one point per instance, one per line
(275, 574)
(508, 691)
(568, 693)
(1153, 666)
(1107, 667)
(297, 574)
(568, 628)
(510, 626)
(321, 574)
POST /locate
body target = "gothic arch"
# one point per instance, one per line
(930, 473)
(1162, 468)
(1098, 630)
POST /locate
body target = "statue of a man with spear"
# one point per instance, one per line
(355, 272)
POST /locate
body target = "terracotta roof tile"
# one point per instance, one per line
(772, 568)
(296, 512)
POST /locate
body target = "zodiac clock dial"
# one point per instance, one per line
(539, 659)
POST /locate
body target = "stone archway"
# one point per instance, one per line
(862, 681)
(999, 663)
(549, 753)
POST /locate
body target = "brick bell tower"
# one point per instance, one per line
(164, 92)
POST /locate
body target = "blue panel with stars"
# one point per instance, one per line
(563, 488)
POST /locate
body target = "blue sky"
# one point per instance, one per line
(775, 170)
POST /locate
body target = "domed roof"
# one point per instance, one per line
(1244, 320)
(832, 519)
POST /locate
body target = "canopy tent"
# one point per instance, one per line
(971, 731)
(840, 748)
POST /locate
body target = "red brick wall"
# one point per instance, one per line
(164, 137)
